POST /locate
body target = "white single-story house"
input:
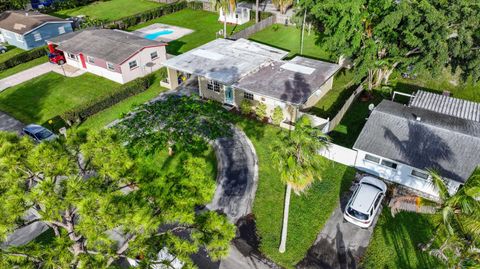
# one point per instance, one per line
(116, 55)
(241, 15)
(232, 71)
(402, 143)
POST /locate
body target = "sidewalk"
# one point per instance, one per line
(37, 71)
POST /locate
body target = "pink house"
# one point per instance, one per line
(117, 55)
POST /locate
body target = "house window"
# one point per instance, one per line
(371, 158)
(419, 174)
(110, 66)
(19, 37)
(389, 164)
(154, 55)
(213, 85)
(133, 64)
(90, 60)
(37, 36)
(248, 95)
(72, 56)
(61, 30)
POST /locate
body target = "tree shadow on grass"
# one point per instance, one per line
(175, 46)
(405, 232)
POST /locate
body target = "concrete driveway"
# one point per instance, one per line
(340, 244)
(9, 123)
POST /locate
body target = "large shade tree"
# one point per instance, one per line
(295, 155)
(88, 187)
(382, 35)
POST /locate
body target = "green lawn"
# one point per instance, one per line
(109, 10)
(443, 82)
(116, 111)
(204, 23)
(308, 213)
(395, 242)
(22, 67)
(48, 96)
(289, 38)
(11, 51)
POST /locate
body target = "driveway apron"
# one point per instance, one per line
(9, 123)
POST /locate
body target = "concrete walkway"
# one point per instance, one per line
(37, 71)
(9, 123)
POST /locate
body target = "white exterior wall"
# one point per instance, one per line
(401, 175)
(75, 63)
(240, 16)
(143, 57)
(100, 71)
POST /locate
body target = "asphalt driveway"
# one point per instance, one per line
(9, 123)
(340, 244)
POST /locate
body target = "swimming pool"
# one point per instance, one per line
(155, 35)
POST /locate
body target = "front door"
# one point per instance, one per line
(82, 59)
(228, 95)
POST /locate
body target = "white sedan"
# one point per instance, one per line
(365, 201)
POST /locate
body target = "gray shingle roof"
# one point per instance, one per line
(225, 60)
(450, 145)
(292, 81)
(21, 22)
(111, 45)
(446, 105)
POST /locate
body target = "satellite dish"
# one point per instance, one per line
(371, 107)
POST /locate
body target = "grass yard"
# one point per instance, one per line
(289, 38)
(204, 23)
(47, 96)
(308, 213)
(443, 82)
(102, 118)
(109, 10)
(395, 242)
(11, 51)
(22, 67)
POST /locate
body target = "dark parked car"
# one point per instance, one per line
(3, 49)
(39, 133)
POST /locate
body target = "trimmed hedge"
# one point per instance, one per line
(142, 17)
(23, 57)
(132, 88)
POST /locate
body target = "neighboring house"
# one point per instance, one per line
(241, 15)
(30, 29)
(403, 143)
(232, 71)
(117, 55)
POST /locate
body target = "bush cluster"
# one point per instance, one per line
(151, 14)
(23, 57)
(132, 88)
(67, 4)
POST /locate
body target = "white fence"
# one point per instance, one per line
(340, 154)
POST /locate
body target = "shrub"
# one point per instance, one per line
(134, 87)
(277, 115)
(246, 106)
(23, 58)
(275, 27)
(261, 111)
(195, 5)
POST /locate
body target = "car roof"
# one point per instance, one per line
(34, 128)
(364, 198)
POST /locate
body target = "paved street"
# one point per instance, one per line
(9, 123)
(340, 244)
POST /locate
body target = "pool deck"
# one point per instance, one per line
(178, 32)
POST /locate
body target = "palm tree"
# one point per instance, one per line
(461, 222)
(296, 157)
(282, 5)
(227, 7)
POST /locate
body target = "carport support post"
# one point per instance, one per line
(283, 242)
(172, 78)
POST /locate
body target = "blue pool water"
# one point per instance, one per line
(155, 35)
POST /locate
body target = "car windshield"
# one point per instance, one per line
(358, 215)
(43, 134)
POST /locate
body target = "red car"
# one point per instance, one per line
(56, 57)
